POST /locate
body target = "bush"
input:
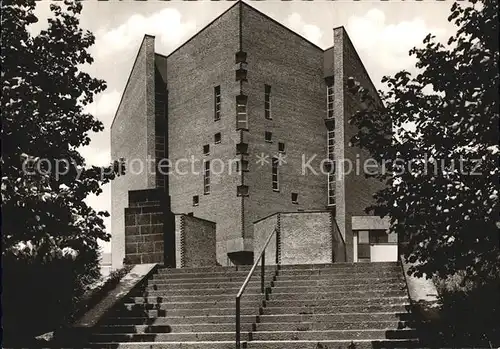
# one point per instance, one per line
(40, 295)
(470, 311)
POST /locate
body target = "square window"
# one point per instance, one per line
(241, 148)
(242, 190)
(196, 200)
(281, 147)
(206, 149)
(217, 138)
(268, 136)
(295, 198)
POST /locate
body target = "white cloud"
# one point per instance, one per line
(166, 25)
(104, 106)
(388, 44)
(311, 32)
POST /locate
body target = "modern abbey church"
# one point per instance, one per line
(225, 140)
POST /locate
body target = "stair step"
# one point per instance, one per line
(167, 337)
(321, 326)
(302, 344)
(201, 280)
(202, 276)
(304, 302)
(359, 308)
(317, 281)
(333, 344)
(335, 335)
(337, 272)
(193, 285)
(336, 295)
(250, 301)
(184, 312)
(166, 345)
(378, 265)
(171, 328)
(344, 277)
(336, 317)
(196, 298)
(179, 320)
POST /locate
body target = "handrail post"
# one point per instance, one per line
(238, 338)
(262, 272)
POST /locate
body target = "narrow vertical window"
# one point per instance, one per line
(329, 101)
(196, 200)
(268, 137)
(241, 112)
(275, 174)
(267, 101)
(295, 198)
(217, 138)
(281, 147)
(217, 103)
(206, 178)
(206, 149)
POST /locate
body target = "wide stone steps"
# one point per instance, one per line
(305, 305)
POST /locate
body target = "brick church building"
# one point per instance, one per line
(243, 116)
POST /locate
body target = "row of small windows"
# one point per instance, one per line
(241, 106)
(268, 136)
(295, 197)
(330, 138)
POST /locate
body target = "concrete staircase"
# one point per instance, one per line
(305, 306)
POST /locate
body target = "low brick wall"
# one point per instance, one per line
(301, 238)
(195, 242)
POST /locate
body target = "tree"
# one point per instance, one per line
(440, 156)
(49, 234)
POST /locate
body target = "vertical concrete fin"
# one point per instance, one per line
(132, 138)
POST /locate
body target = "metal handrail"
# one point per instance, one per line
(341, 238)
(262, 256)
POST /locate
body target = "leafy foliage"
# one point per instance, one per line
(49, 234)
(436, 141)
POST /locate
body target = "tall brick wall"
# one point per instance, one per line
(132, 137)
(205, 61)
(301, 238)
(293, 67)
(195, 242)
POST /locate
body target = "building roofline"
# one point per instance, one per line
(241, 3)
(362, 64)
(202, 29)
(280, 24)
(129, 76)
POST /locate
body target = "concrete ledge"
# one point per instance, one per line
(370, 223)
(423, 295)
(126, 284)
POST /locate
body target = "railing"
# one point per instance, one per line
(339, 250)
(262, 257)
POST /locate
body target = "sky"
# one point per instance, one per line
(382, 32)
